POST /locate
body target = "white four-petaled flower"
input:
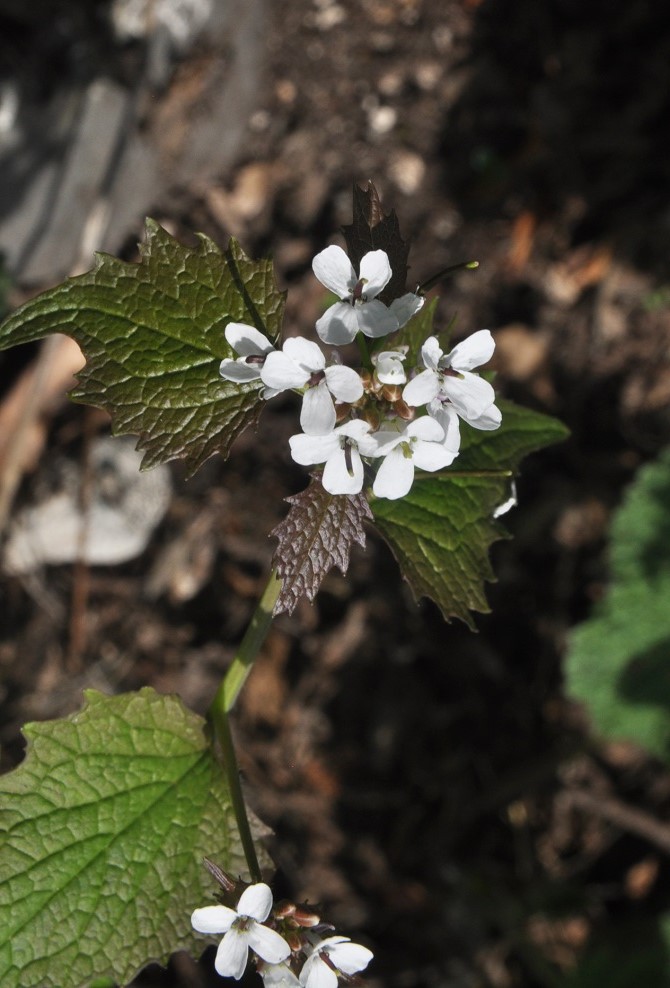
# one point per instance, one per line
(418, 444)
(341, 451)
(301, 364)
(243, 928)
(359, 309)
(253, 349)
(449, 377)
(330, 956)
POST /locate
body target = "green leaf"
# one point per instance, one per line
(153, 337)
(316, 535)
(441, 532)
(103, 828)
(619, 660)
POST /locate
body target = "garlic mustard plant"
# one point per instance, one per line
(185, 348)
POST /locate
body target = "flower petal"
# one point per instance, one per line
(280, 372)
(231, 956)
(238, 371)
(334, 270)
(447, 416)
(488, 420)
(213, 919)
(356, 429)
(421, 389)
(406, 306)
(307, 354)
(431, 353)
(473, 351)
(246, 340)
(425, 428)
(470, 394)
(317, 415)
(432, 456)
(344, 383)
(278, 976)
(385, 441)
(256, 901)
(375, 271)
(336, 478)
(375, 319)
(395, 476)
(307, 450)
(338, 325)
(316, 973)
(268, 944)
(350, 957)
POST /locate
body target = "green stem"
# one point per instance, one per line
(223, 703)
(364, 351)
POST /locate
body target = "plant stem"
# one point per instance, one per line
(364, 351)
(223, 703)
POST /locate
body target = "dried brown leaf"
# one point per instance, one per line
(372, 229)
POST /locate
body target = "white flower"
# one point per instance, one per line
(449, 377)
(359, 309)
(278, 976)
(341, 451)
(388, 365)
(243, 929)
(301, 364)
(418, 444)
(343, 956)
(253, 349)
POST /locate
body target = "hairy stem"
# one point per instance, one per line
(223, 702)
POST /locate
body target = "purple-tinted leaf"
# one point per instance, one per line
(316, 535)
(372, 229)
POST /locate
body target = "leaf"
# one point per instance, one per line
(103, 828)
(316, 535)
(441, 532)
(619, 660)
(372, 229)
(153, 337)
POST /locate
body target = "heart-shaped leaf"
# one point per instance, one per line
(103, 828)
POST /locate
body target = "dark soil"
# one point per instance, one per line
(420, 779)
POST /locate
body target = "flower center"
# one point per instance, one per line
(315, 378)
(358, 294)
(347, 444)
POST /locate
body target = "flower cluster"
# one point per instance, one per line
(406, 419)
(286, 942)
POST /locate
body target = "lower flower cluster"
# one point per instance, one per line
(287, 942)
(350, 419)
